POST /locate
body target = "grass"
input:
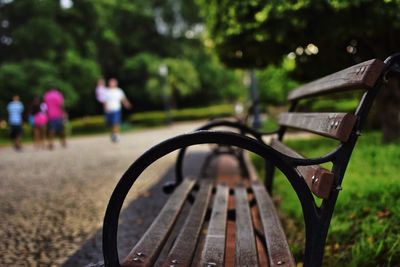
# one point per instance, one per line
(269, 125)
(365, 229)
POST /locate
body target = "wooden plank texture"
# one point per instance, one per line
(360, 76)
(214, 248)
(181, 253)
(277, 246)
(149, 246)
(246, 251)
(228, 173)
(334, 125)
(318, 179)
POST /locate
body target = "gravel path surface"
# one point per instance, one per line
(52, 202)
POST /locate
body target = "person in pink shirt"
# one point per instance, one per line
(55, 114)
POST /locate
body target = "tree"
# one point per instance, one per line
(41, 76)
(12, 81)
(134, 75)
(81, 74)
(44, 44)
(325, 35)
(181, 80)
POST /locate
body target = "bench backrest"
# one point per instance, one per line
(338, 126)
(369, 77)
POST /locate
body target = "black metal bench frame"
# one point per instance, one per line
(316, 218)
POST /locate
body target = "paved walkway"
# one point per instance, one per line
(53, 202)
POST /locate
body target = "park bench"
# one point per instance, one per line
(225, 216)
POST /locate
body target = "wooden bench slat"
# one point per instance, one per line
(182, 252)
(246, 251)
(334, 125)
(150, 245)
(318, 179)
(214, 248)
(360, 76)
(278, 249)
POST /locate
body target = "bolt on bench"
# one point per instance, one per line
(232, 220)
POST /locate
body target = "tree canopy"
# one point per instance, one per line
(321, 36)
(258, 33)
(45, 44)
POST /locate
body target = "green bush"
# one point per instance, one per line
(159, 117)
(88, 125)
(95, 124)
(5, 134)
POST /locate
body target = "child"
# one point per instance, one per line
(15, 109)
(39, 120)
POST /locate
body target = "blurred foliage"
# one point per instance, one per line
(321, 36)
(275, 82)
(43, 45)
(28, 78)
(159, 117)
(182, 80)
(257, 33)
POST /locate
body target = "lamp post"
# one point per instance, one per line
(254, 98)
(163, 71)
(250, 81)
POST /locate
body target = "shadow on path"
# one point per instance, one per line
(135, 218)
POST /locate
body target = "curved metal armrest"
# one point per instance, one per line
(282, 162)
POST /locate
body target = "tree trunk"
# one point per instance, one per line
(174, 96)
(388, 106)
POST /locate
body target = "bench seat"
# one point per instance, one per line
(230, 220)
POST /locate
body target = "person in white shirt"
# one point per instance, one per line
(113, 98)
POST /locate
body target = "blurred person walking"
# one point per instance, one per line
(38, 120)
(15, 109)
(55, 113)
(114, 96)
